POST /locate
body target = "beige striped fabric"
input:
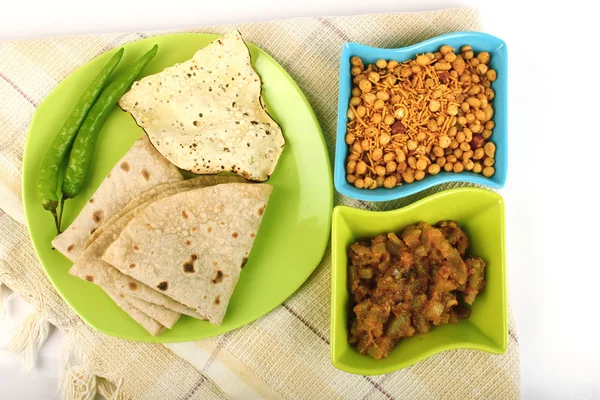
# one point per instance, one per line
(285, 354)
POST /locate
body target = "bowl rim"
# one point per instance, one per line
(498, 349)
(380, 194)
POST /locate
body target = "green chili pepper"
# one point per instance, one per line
(47, 185)
(85, 143)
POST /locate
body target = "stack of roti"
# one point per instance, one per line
(161, 246)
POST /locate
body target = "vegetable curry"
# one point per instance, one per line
(403, 284)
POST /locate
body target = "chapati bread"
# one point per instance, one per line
(139, 170)
(92, 268)
(191, 246)
(160, 314)
(206, 114)
(152, 326)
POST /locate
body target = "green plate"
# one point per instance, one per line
(294, 231)
(481, 214)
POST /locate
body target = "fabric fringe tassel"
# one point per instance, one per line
(79, 382)
(29, 338)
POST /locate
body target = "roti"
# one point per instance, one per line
(139, 170)
(191, 246)
(206, 115)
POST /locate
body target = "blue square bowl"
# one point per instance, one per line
(479, 42)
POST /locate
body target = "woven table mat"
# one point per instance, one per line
(284, 354)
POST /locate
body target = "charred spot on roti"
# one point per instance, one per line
(194, 229)
(235, 235)
(125, 166)
(71, 247)
(89, 278)
(218, 277)
(261, 211)
(188, 242)
(98, 216)
(132, 285)
(252, 234)
(145, 174)
(194, 257)
(152, 252)
(121, 295)
(184, 214)
(218, 300)
(92, 231)
(108, 176)
(136, 247)
(209, 229)
(244, 261)
(163, 286)
(92, 200)
(204, 297)
(132, 265)
(215, 263)
(188, 267)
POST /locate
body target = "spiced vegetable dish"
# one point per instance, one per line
(403, 283)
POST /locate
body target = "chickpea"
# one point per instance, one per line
(460, 137)
(454, 144)
(359, 183)
(441, 161)
(376, 118)
(356, 147)
(458, 167)
(450, 57)
(444, 141)
(486, 134)
(350, 167)
(489, 92)
(429, 83)
(452, 132)
(470, 118)
(389, 119)
(465, 146)
(468, 134)
(355, 71)
(434, 169)
(374, 76)
(462, 120)
(474, 102)
(448, 167)
(350, 138)
(365, 85)
(491, 75)
(421, 164)
(383, 95)
(468, 164)
(391, 166)
(451, 158)
(452, 109)
(436, 94)
(419, 175)
(440, 120)
(489, 125)
(384, 139)
(434, 105)
(474, 90)
(400, 156)
(412, 144)
(412, 162)
(368, 181)
(415, 69)
(355, 101)
(391, 79)
(353, 157)
(380, 170)
(365, 145)
(466, 47)
(488, 171)
(389, 157)
(371, 131)
(480, 115)
(458, 153)
(475, 78)
(361, 168)
(361, 111)
(395, 99)
(476, 127)
(482, 69)
(467, 154)
(357, 79)
(437, 55)
(405, 72)
(351, 179)
(381, 64)
(489, 161)
(379, 104)
(445, 49)
(401, 168)
(465, 107)
(350, 115)
(390, 182)
(370, 98)
(392, 64)
(453, 73)
(356, 92)
(465, 80)
(408, 176)
(477, 168)
(432, 125)
(400, 113)
(490, 149)
(377, 154)
(483, 99)
(421, 150)
(423, 60)
(478, 153)
(467, 55)
(356, 61)
(438, 151)
(484, 57)
(379, 181)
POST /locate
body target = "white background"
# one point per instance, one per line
(552, 211)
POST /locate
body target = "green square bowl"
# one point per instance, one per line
(481, 214)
